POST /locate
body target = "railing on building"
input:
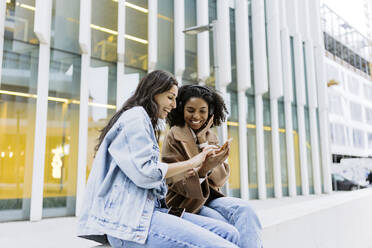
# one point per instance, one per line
(345, 42)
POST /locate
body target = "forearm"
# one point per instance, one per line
(178, 168)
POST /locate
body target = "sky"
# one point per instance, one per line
(351, 11)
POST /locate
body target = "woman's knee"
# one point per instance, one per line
(229, 232)
(246, 212)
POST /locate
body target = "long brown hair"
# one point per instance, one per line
(152, 84)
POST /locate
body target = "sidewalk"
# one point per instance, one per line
(48, 233)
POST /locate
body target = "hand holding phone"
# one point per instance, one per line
(224, 146)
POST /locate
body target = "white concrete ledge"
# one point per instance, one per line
(275, 211)
(340, 219)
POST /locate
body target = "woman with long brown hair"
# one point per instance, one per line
(127, 181)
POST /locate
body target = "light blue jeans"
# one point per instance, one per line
(169, 231)
(238, 213)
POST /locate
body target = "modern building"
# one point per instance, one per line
(348, 53)
(68, 64)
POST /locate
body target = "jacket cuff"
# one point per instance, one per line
(163, 168)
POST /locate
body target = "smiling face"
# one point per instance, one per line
(195, 112)
(166, 101)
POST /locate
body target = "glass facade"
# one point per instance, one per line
(18, 95)
(17, 110)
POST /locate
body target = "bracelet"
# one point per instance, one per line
(202, 145)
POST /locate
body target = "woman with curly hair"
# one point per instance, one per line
(127, 182)
(198, 109)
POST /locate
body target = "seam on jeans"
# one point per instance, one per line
(161, 235)
(230, 214)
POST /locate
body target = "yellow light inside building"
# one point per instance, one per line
(27, 6)
(130, 37)
(56, 99)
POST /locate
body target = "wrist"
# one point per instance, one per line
(203, 145)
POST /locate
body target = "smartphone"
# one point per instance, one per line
(224, 145)
(176, 211)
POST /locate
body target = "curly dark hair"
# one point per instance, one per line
(216, 104)
(152, 84)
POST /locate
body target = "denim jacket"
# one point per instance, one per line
(125, 181)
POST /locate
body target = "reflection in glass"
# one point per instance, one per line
(191, 70)
(165, 36)
(283, 148)
(65, 25)
(308, 151)
(269, 172)
(62, 135)
(252, 154)
(17, 124)
(136, 27)
(19, 21)
(103, 92)
(104, 26)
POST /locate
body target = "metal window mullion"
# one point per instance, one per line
(152, 23)
(301, 101)
(288, 98)
(261, 86)
(120, 71)
(2, 26)
(244, 82)
(43, 13)
(276, 87)
(314, 8)
(221, 46)
(85, 46)
(179, 39)
(312, 96)
(203, 41)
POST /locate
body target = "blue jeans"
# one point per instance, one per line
(169, 231)
(238, 213)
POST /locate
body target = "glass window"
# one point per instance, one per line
(62, 135)
(136, 39)
(308, 151)
(368, 92)
(17, 110)
(353, 85)
(283, 147)
(251, 143)
(165, 36)
(65, 25)
(296, 145)
(191, 70)
(355, 111)
(368, 112)
(358, 138)
(335, 103)
(104, 29)
(19, 21)
(102, 102)
(17, 125)
(370, 141)
(268, 149)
